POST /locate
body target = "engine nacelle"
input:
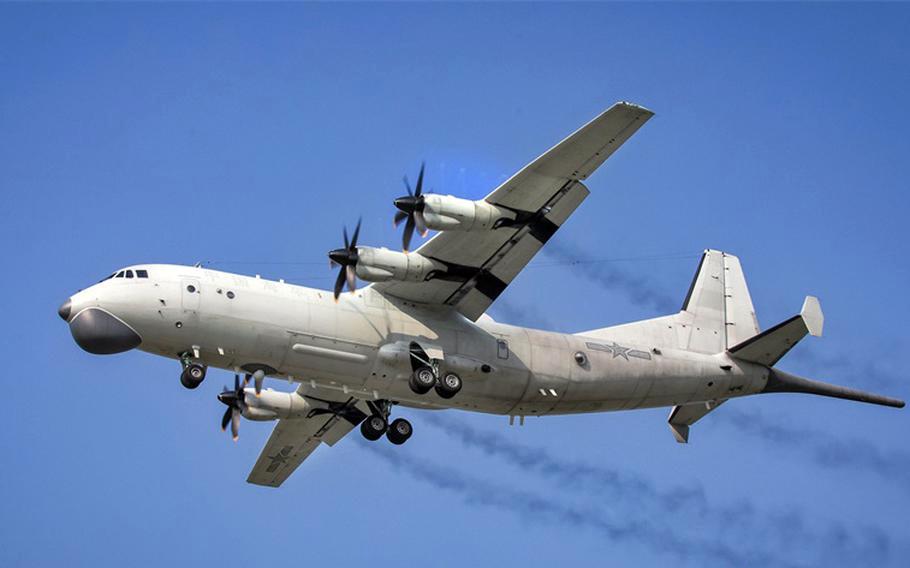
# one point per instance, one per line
(381, 264)
(272, 405)
(449, 213)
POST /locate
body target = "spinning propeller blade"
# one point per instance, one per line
(346, 258)
(235, 402)
(411, 207)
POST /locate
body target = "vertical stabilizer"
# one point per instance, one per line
(718, 309)
(716, 313)
(741, 322)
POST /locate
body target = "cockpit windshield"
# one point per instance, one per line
(128, 273)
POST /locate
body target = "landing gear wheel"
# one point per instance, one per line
(399, 431)
(449, 386)
(373, 427)
(192, 375)
(422, 380)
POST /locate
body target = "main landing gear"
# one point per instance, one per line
(193, 373)
(377, 424)
(425, 376)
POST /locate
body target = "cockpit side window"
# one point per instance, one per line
(142, 274)
(129, 273)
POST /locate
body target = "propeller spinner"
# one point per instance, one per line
(346, 258)
(411, 207)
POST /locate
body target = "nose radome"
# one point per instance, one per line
(65, 309)
(101, 333)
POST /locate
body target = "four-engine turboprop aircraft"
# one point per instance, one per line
(418, 336)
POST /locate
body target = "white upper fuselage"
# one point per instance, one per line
(359, 345)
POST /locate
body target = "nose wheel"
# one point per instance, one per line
(377, 424)
(192, 376)
(193, 373)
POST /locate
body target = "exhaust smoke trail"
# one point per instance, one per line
(615, 527)
(606, 274)
(524, 315)
(865, 374)
(824, 449)
(787, 531)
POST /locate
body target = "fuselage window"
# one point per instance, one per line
(129, 273)
(502, 348)
(119, 274)
(142, 274)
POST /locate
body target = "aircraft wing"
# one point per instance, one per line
(543, 195)
(293, 440)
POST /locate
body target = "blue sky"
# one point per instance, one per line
(247, 135)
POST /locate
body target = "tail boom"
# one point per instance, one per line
(781, 381)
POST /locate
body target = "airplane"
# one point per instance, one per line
(418, 335)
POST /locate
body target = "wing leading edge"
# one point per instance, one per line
(543, 194)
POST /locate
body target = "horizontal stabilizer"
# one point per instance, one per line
(683, 416)
(779, 381)
(769, 346)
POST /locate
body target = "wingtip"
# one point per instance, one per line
(635, 106)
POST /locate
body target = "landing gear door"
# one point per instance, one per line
(190, 294)
(434, 354)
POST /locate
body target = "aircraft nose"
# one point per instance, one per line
(102, 333)
(65, 309)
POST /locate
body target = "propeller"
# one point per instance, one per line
(235, 400)
(346, 258)
(410, 207)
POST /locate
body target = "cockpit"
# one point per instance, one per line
(128, 273)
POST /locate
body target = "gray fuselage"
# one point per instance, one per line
(359, 345)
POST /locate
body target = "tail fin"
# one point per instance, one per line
(768, 347)
(718, 308)
(716, 313)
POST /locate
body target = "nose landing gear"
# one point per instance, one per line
(193, 373)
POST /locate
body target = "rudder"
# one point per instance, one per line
(718, 308)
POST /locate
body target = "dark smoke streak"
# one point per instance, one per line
(525, 315)
(608, 275)
(788, 531)
(865, 374)
(616, 528)
(824, 449)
